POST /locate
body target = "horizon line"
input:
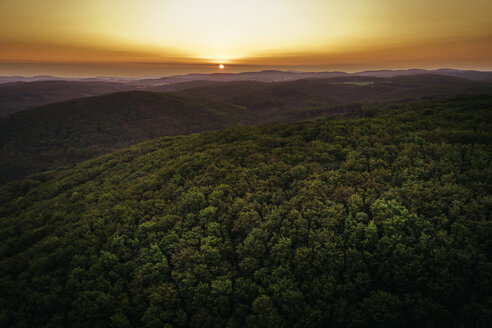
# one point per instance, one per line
(243, 72)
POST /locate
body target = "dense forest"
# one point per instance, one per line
(345, 222)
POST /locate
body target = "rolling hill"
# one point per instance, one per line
(64, 133)
(375, 222)
(283, 76)
(21, 95)
(483, 76)
(317, 98)
(69, 132)
(261, 76)
(183, 86)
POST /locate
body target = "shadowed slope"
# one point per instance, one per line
(42, 138)
(20, 95)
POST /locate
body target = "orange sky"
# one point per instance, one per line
(161, 37)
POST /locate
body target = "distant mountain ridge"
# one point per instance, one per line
(483, 76)
(264, 75)
(19, 78)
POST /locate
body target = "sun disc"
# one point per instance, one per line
(221, 66)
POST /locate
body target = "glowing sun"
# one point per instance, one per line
(221, 66)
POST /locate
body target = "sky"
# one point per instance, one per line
(165, 37)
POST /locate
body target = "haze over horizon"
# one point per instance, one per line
(156, 38)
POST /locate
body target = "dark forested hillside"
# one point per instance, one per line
(20, 95)
(370, 222)
(59, 134)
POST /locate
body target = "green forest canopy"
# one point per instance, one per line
(355, 222)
